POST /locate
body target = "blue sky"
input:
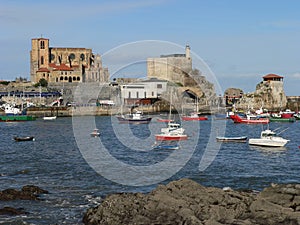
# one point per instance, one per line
(240, 41)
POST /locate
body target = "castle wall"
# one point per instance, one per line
(169, 68)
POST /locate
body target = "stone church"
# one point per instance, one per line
(65, 65)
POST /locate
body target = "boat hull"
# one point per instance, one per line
(238, 119)
(49, 118)
(291, 119)
(17, 118)
(29, 138)
(232, 139)
(134, 121)
(267, 143)
(164, 137)
(186, 118)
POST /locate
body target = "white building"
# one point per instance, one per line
(143, 92)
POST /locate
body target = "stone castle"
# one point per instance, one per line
(65, 65)
(173, 67)
(177, 68)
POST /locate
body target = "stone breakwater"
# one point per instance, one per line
(187, 202)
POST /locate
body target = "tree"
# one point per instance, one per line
(42, 82)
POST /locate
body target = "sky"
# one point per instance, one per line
(239, 41)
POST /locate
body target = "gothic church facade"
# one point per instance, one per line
(59, 65)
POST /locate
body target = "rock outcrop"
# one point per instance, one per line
(29, 192)
(187, 202)
(268, 94)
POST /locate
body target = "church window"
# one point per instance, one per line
(42, 44)
(42, 60)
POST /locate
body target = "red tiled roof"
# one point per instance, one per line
(43, 70)
(60, 67)
(271, 75)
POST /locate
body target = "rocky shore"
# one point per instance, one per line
(187, 202)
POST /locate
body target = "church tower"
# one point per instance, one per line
(39, 56)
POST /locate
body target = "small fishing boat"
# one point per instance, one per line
(194, 116)
(174, 132)
(249, 120)
(95, 133)
(27, 138)
(134, 118)
(232, 139)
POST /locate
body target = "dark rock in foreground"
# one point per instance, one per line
(11, 211)
(29, 192)
(187, 202)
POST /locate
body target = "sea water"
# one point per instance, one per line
(58, 162)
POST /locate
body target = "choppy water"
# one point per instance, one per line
(55, 163)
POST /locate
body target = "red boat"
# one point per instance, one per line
(170, 137)
(194, 116)
(249, 120)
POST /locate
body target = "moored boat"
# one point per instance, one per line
(95, 133)
(249, 120)
(134, 118)
(268, 138)
(194, 116)
(174, 132)
(282, 119)
(232, 139)
(49, 118)
(27, 138)
(13, 114)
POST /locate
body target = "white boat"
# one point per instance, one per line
(268, 138)
(232, 139)
(49, 118)
(174, 132)
(95, 133)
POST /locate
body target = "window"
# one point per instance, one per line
(66, 73)
(42, 60)
(66, 78)
(78, 78)
(159, 85)
(61, 78)
(42, 44)
(137, 94)
(74, 78)
(152, 93)
(145, 94)
(129, 94)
